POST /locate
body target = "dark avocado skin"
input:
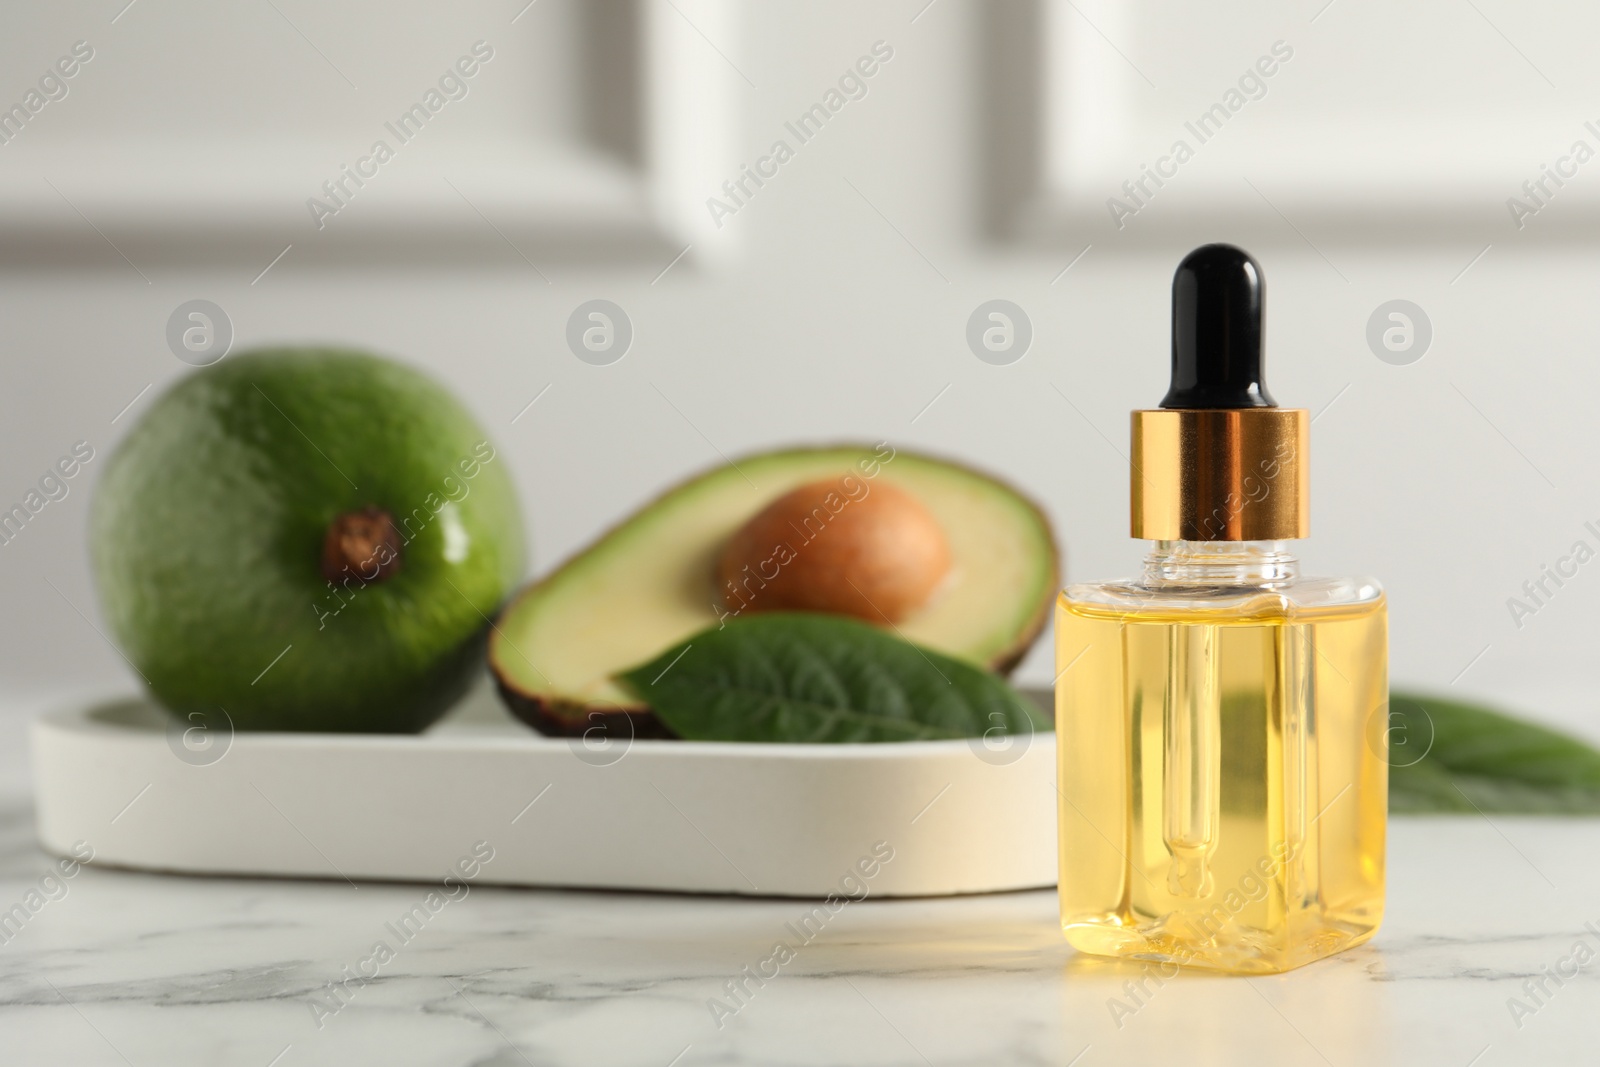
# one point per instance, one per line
(208, 530)
(558, 718)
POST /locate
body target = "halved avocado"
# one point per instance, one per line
(650, 581)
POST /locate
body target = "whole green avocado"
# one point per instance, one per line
(306, 539)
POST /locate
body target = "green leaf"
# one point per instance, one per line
(821, 678)
(1446, 756)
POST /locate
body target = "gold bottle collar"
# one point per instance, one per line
(1236, 474)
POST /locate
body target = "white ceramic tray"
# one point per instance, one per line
(784, 820)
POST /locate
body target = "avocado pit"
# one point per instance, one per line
(363, 544)
(845, 546)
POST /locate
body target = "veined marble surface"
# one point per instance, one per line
(131, 968)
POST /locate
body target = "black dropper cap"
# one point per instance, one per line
(1217, 298)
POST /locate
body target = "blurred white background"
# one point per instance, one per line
(1375, 163)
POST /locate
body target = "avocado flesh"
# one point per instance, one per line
(209, 528)
(650, 582)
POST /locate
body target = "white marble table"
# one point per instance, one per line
(131, 968)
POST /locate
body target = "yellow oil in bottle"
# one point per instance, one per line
(1223, 776)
